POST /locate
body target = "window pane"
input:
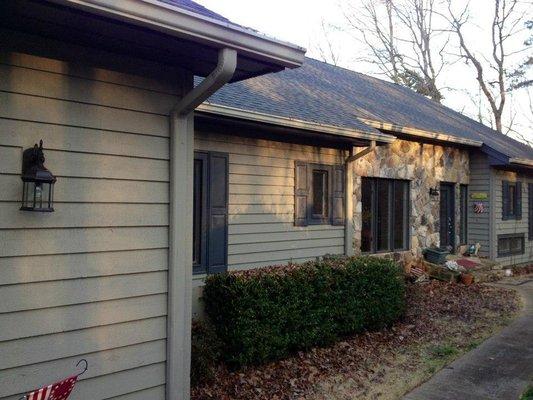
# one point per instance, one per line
(366, 199)
(320, 193)
(400, 215)
(516, 245)
(383, 214)
(512, 199)
(504, 246)
(197, 212)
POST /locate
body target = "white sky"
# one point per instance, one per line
(299, 22)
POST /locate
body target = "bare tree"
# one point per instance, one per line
(490, 72)
(325, 44)
(411, 57)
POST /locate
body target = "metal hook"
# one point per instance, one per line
(85, 368)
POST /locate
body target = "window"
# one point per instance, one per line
(385, 215)
(511, 200)
(530, 211)
(320, 184)
(509, 245)
(463, 211)
(210, 212)
(318, 194)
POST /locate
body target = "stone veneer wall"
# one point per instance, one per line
(425, 166)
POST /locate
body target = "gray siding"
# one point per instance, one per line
(512, 226)
(479, 224)
(88, 280)
(261, 204)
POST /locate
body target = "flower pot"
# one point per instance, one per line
(467, 279)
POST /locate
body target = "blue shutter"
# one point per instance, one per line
(301, 193)
(217, 242)
(530, 211)
(505, 200)
(518, 212)
(337, 198)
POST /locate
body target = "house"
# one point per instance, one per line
(420, 185)
(108, 87)
(281, 164)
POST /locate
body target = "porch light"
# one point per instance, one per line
(434, 191)
(38, 182)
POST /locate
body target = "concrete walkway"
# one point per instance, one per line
(500, 368)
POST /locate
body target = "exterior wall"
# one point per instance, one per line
(480, 225)
(261, 204)
(511, 226)
(89, 280)
(425, 165)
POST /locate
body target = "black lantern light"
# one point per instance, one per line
(38, 190)
(434, 191)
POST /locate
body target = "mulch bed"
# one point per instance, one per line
(430, 307)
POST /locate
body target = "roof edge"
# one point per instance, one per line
(441, 136)
(187, 24)
(521, 161)
(226, 111)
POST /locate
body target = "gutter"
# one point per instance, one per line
(349, 228)
(189, 25)
(521, 161)
(179, 297)
(421, 133)
(255, 116)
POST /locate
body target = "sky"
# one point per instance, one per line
(299, 22)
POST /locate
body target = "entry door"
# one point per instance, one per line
(447, 215)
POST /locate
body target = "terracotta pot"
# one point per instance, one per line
(467, 279)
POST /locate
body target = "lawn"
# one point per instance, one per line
(443, 321)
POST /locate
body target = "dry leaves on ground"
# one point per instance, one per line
(436, 311)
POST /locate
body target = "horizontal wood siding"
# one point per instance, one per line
(89, 280)
(261, 202)
(512, 226)
(478, 225)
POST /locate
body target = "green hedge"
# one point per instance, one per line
(267, 313)
(205, 352)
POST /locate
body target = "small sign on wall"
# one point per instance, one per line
(479, 196)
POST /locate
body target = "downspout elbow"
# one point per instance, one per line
(223, 72)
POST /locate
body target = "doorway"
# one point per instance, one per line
(447, 215)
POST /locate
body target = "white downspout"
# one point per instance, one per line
(179, 310)
(349, 228)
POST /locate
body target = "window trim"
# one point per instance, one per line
(390, 205)
(201, 267)
(511, 253)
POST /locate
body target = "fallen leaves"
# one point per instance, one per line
(364, 362)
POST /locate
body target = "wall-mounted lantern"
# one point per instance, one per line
(434, 191)
(38, 189)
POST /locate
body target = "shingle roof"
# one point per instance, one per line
(196, 8)
(322, 93)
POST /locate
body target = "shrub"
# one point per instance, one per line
(205, 352)
(267, 313)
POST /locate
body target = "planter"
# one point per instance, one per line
(435, 255)
(467, 279)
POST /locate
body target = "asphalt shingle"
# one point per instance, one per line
(322, 93)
